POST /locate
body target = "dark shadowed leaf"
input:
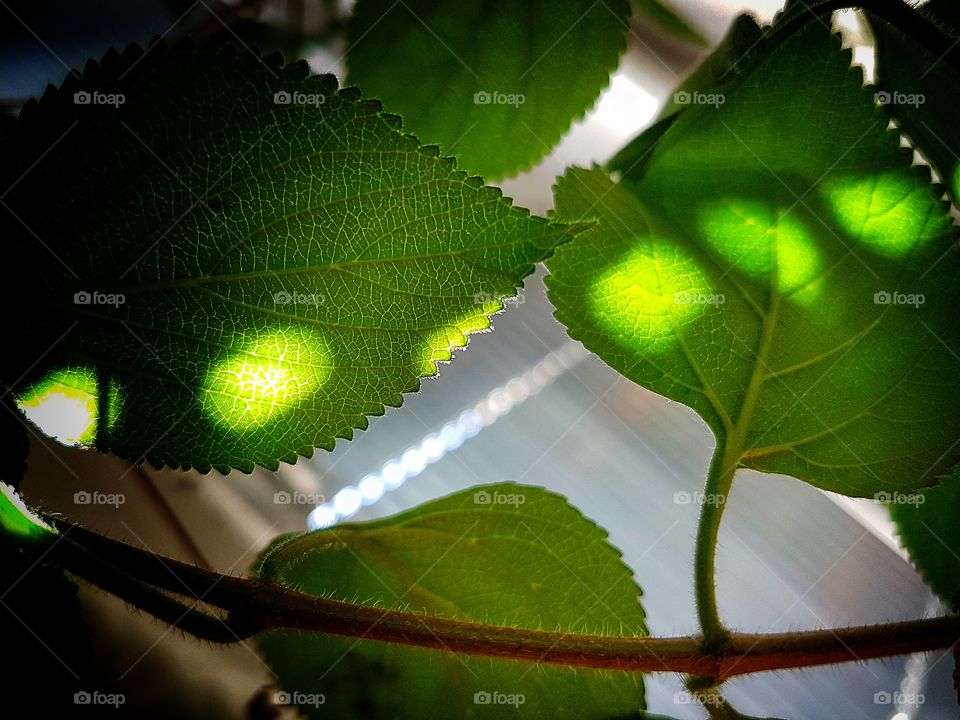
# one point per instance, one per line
(494, 82)
(228, 262)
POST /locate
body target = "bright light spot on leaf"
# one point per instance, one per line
(444, 341)
(17, 519)
(888, 213)
(64, 405)
(751, 237)
(643, 298)
(266, 378)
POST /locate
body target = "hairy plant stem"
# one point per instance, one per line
(146, 581)
(719, 480)
(716, 705)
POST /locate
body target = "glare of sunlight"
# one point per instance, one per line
(64, 405)
(625, 108)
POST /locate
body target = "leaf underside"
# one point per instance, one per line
(779, 267)
(922, 92)
(503, 554)
(495, 82)
(289, 261)
(928, 527)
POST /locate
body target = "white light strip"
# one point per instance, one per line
(452, 435)
(910, 697)
(872, 517)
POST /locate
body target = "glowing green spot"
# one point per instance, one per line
(266, 378)
(64, 405)
(889, 213)
(17, 519)
(441, 344)
(751, 237)
(645, 298)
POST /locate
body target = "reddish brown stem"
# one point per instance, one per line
(256, 606)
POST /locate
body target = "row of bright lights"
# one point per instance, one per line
(451, 436)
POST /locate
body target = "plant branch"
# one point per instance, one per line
(129, 588)
(716, 705)
(719, 480)
(255, 606)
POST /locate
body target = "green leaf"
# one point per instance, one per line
(229, 262)
(502, 554)
(928, 526)
(735, 52)
(495, 82)
(18, 524)
(922, 92)
(630, 160)
(781, 269)
(723, 66)
(666, 18)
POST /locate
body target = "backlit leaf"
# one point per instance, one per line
(503, 554)
(780, 268)
(929, 527)
(494, 82)
(226, 262)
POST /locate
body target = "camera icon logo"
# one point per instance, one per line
(681, 97)
(82, 298)
(282, 98)
(882, 97)
(682, 498)
(482, 497)
(882, 298)
(481, 697)
(82, 498)
(82, 97)
(282, 298)
(882, 698)
(82, 698)
(282, 497)
(482, 98)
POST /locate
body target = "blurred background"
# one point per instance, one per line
(522, 403)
